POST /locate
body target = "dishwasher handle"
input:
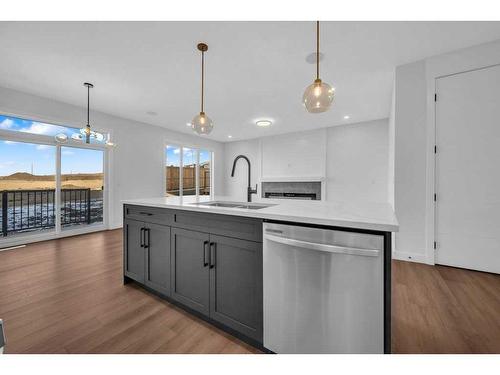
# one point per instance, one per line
(323, 247)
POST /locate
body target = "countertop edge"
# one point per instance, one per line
(353, 224)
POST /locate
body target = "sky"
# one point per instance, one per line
(172, 156)
(22, 157)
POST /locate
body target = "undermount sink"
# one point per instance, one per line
(244, 205)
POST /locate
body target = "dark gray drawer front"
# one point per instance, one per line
(149, 214)
(225, 225)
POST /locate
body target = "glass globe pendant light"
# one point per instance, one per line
(201, 123)
(318, 97)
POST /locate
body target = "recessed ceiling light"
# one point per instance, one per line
(230, 136)
(347, 117)
(188, 124)
(263, 123)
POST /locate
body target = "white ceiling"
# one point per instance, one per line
(254, 70)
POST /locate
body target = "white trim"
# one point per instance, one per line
(114, 226)
(465, 60)
(293, 179)
(197, 173)
(32, 237)
(409, 257)
(57, 195)
(181, 171)
(212, 174)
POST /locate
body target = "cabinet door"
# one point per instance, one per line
(157, 250)
(236, 284)
(190, 272)
(133, 257)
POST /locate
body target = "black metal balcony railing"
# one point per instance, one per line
(26, 210)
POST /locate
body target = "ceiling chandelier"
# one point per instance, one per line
(86, 134)
(318, 97)
(201, 123)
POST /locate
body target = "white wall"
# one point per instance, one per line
(295, 154)
(410, 138)
(357, 161)
(392, 134)
(352, 158)
(414, 139)
(137, 161)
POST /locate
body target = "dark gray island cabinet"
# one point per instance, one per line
(210, 264)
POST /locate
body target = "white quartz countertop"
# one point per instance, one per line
(361, 215)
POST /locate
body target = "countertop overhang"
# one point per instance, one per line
(360, 215)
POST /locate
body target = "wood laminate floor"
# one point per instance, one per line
(67, 296)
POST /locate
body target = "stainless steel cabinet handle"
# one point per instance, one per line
(205, 253)
(146, 213)
(323, 247)
(212, 254)
(142, 237)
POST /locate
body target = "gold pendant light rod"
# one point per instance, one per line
(203, 48)
(317, 50)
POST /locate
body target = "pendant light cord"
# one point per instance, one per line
(202, 78)
(317, 49)
(88, 105)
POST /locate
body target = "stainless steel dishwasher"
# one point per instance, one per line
(323, 290)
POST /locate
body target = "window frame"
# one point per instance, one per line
(183, 146)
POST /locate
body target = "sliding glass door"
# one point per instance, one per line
(27, 187)
(49, 179)
(82, 187)
(46, 187)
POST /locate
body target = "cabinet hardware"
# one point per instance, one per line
(146, 244)
(146, 213)
(142, 237)
(212, 254)
(205, 248)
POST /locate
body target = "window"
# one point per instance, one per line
(188, 171)
(204, 184)
(172, 170)
(16, 124)
(31, 164)
(189, 162)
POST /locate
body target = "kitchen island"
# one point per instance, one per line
(224, 261)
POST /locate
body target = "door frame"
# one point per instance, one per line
(8, 135)
(440, 67)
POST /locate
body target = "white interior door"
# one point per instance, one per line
(468, 170)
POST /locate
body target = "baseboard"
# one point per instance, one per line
(409, 257)
(115, 226)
